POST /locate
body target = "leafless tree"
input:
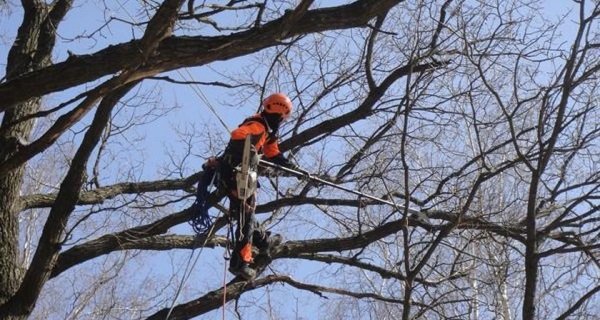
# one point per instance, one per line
(472, 126)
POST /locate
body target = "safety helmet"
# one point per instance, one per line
(278, 103)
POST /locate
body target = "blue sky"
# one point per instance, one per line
(161, 133)
(158, 136)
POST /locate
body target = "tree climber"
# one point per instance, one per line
(262, 129)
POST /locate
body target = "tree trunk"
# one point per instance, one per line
(32, 50)
(531, 252)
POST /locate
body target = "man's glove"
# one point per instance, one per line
(282, 161)
(298, 169)
(279, 160)
(294, 167)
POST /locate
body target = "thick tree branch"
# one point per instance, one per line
(214, 299)
(127, 79)
(116, 241)
(160, 26)
(101, 194)
(45, 257)
(364, 110)
(178, 52)
(385, 273)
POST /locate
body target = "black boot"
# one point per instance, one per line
(266, 244)
(243, 270)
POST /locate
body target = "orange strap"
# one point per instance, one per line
(246, 253)
(256, 127)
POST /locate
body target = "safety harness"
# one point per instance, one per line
(246, 177)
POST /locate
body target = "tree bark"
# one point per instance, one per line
(176, 52)
(31, 51)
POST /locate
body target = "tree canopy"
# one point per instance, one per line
(482, 116)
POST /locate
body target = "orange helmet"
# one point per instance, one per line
(278, 103)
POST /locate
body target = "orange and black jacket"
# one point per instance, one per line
(264, 142)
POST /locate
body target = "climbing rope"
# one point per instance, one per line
(188, 270)
(224, 289)
(226, 257)
(201, 95)
(199, 222)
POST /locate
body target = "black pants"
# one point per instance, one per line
(247, 230)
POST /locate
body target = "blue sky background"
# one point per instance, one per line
(156, 138)
(160, 135)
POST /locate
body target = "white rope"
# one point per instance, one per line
(193, 83)
(189, 267)
(188, 270)
(201, 95)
